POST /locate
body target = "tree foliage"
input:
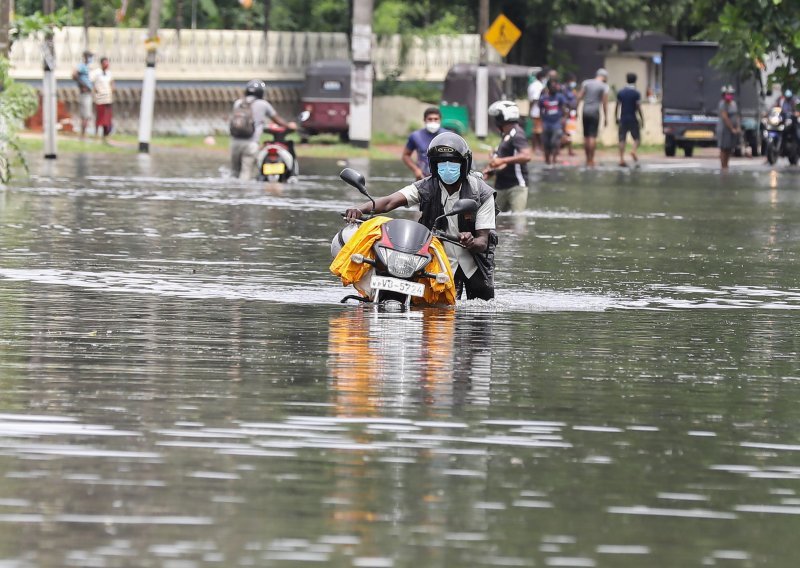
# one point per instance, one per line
(747, 29)
(17, 102)
(753, 32)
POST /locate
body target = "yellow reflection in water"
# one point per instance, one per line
(376, 357)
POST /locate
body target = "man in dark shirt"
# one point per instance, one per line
(554, 111)
(509, 161)
(420, 140)
(629, 104)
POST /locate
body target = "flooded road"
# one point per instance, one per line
(180, 387)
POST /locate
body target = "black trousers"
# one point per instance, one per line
(477, 286)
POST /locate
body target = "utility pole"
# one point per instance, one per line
(87, 12)
(267, 10)
(178, 18)
(361, 77)
(5, 9)
(149, 84)
(482, 75)
(49, 87)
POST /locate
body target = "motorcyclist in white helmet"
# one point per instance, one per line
(510, 159)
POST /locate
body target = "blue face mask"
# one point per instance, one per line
(449, 172)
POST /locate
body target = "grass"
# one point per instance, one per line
(382, 146)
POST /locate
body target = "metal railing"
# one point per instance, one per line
(238, 55)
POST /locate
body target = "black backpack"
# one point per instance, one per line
(242, 124)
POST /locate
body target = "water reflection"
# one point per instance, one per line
(420, 361)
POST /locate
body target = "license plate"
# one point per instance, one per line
(699, 134)
(270, 169)
(397, 285)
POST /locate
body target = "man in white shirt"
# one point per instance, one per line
(534, 94)
(450, 180)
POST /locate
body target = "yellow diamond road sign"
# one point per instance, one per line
(502, 35)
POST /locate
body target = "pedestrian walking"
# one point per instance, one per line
(534, 94)
(629, 105)
(729, 128)
(594, 94)
(81, 75)
(418, 143)
(570, 91)
(554, 107)
(103, 91)
(509, 163)
(250, 114)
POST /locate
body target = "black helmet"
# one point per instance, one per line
(449, 147)
(255, 88)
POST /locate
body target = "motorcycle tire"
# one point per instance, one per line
(793, 158)
(772, 153)
(391, 299)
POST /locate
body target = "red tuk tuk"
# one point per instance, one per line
(326, 97)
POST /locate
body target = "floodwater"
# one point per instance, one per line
(179, 386)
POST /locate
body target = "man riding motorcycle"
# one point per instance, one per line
(246, 128)
(451, 179)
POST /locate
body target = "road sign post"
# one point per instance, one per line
(502, 35)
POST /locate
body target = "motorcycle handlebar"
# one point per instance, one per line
(366, 217)
(448, 237)
(438, 234)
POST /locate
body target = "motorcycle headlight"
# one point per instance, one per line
(774, 120)
(402, 264)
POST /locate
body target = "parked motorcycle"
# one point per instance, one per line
(781, 136)
(392, 261)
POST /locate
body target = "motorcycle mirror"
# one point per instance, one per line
(464, 206)
(460, 206)
(356, 179)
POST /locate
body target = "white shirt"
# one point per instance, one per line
(534, 94)
(484, 219)
(101, 84)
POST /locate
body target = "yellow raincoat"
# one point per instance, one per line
(361, 242)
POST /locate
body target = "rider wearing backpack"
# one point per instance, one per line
(246, 125)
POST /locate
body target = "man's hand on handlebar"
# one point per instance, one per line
(466, 239)
(353, 214)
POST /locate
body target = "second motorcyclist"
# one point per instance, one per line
(452, 179)
(250, 114)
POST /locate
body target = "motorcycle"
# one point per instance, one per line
(277, 161)
(781, 136)
(392, 261)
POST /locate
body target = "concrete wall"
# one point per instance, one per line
(652, 133)
(235, 56)
(397, 116)
(608, 136)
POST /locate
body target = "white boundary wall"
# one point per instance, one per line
(238, 55)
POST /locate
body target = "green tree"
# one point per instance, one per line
(750, 32)
(19, 101)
